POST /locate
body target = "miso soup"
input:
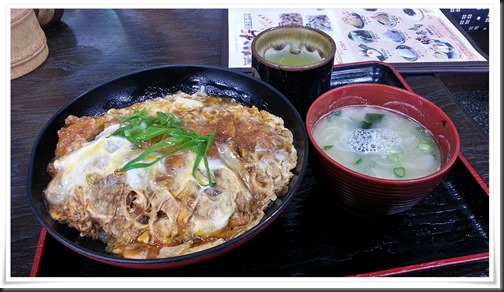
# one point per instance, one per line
(378, 142)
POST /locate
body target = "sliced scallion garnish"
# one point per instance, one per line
(139, 128)
(399, 171)
(371, 118)
(333, 114)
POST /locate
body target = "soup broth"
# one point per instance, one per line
(378, 142)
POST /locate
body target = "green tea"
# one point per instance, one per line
(288, 56)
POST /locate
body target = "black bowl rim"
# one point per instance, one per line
(192, 257)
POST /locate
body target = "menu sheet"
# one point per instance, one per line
(409, 36)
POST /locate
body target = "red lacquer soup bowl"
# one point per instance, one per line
(367, 194)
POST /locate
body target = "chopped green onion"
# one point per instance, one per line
(366, 125)
(138, 128)
(371, 118)
(359, 161)
(327, 147)
(427, 145)
(335, 113)
(399, 171)
(395, 155)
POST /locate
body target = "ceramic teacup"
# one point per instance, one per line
(296, 60)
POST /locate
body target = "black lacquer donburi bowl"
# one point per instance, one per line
(143, 85)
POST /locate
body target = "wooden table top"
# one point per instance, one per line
(91, 46)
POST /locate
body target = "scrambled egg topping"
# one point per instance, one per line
(162, 210)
